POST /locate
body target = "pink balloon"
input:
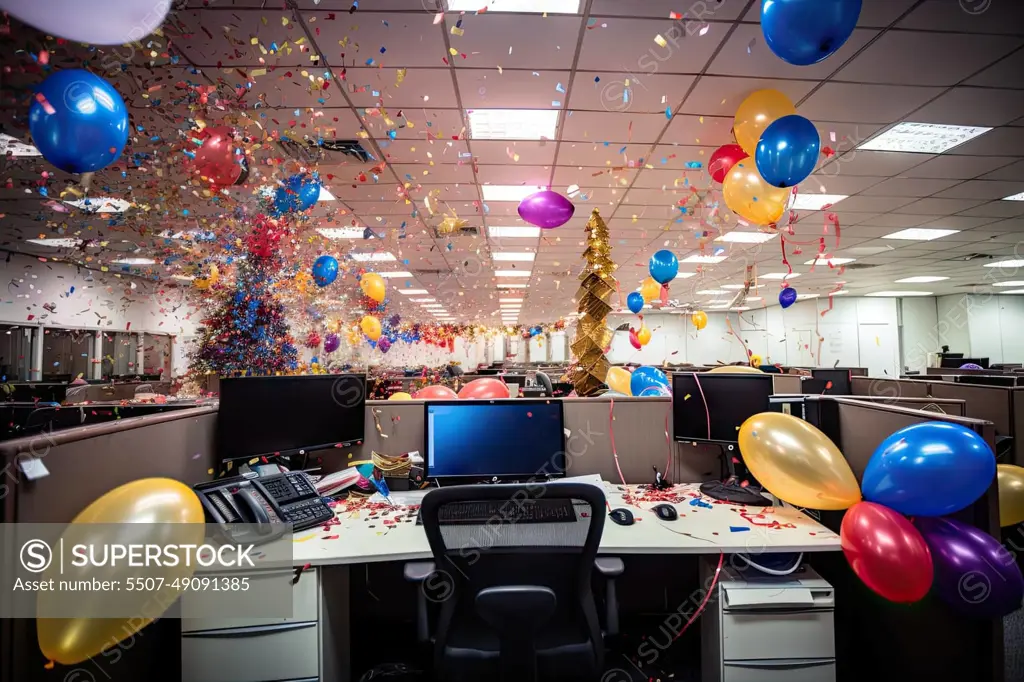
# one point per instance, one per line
(215, 159)
(887, 552)
(634, 340)
(436, 392)
(487, 388)
(723, 160)
(546, 209)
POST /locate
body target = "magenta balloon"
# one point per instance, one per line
(546, 209)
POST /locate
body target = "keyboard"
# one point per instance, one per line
(307, 513)
(505, 511)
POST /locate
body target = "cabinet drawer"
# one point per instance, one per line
(766, 635)
(287, 651)
(780, 671)
(304, 602)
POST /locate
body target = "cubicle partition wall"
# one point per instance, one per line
(109, 391)
(786, 384)
(889, 388)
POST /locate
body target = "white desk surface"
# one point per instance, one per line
(364, 533)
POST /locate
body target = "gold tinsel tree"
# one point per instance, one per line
(592, 336)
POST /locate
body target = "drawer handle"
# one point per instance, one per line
(783, 611)
(249, 630)
(782, 663)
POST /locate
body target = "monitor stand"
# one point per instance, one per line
(730, 490)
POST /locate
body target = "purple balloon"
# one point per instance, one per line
(384, 345)
(973, 572)
(971, 365)
(546, 209)
(331, 343)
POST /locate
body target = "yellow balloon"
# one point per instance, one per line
(735, 369)
(650, 290)
(750, 196)
(797, 463)
(699, 319)
(618, 379)
(757, 112)
(373, 286)
(1011, 494)
(371, 327)
(400, 395)
(756, 361)
(204, 283)
(643, 336)
(173, 516)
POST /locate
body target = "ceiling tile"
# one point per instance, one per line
(609, 127)
(1014, 171)
(986, 17)
(938, 206)
(854, 102)
(973, 107)
(984, 189)
(520, 41)
(897, 187)
(628, 92)
(635, 49)
(529, 153)
(722, 96)
(1007, 73)
(747, 54)
(512, 89)
(956, 166)
(860, 162)
(998, 142)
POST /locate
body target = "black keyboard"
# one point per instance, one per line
(505, 511)
(307, 513)
(288, 487)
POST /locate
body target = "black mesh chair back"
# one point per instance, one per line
(515, 598)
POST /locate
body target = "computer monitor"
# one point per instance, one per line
(488, 372)
(952, 356)
(476, 440)
(986, 380)
(709, 408)
(518, 379)
(287, 415)
(839, 377)
(956, 363)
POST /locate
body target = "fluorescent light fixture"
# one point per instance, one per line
(394, 275)
(524, 6)
(801, 297)
(1006, 264)
(712, 292)
(740, 308)
(183, 278)
(1013, 291)
(780, 275)
(686, 275)
(513, 256)
(15, 147)
(435, 306)
(101, 204)
(900, 294)
(513, 232)
(1015, 197)
(1015, 283)
(922, 138)
(746, 237)
(379, 257)
(325, 195)
(513, 124)
(510, 300)
(921, 234)
(412, 292)
(57, 242)
(423, 300)
(739, 286)
(923, 279)
(134, 261)
(508, 192)
(511, 286)
(719, 306)
(342, 232)
(833, 261)
(816, 202)
(510, 306)
(706, 260)
(512, 273)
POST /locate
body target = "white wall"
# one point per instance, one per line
(919, 331)
(954, 318)
(983, 325)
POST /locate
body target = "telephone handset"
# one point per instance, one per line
(261, 504)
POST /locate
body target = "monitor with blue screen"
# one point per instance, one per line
(485, 439)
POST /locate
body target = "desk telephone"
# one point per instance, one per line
(279, 499)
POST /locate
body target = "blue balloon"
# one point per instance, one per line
(788, 151)
(804, 32)
(298, 193)
(654, 392)
(635, 301)
(645, 377)
(664, 266)
(81, 125)
(929, 469)
(325, 270)
(787, 297)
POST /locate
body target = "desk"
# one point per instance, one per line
(314, 643)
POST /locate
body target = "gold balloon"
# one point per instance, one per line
(757, 112)
(644, 336)
(373, 286)
(699, 319)
(173, 516)
(756, 361)
(204, 283)
(618, 379)
(650, 290)
(750, 196)
(400, 395)
(735, 369)
(797, 463)
(1011, 494)
(371, 327)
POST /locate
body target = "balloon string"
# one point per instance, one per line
(707, 412)
(707, 597)
(738, 337)
(615, 453)
(785, 261)
(668, 440)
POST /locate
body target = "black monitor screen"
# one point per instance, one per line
(711, 407)
(839, 378)
(271, 415)
(503, 438)
(986, 380)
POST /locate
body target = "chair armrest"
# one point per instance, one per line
(610, 567)
(417, 572)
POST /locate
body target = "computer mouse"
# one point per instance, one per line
(665, 512)
(621, 516)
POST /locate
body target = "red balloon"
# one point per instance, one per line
(887, 552)
(216, 159)
(436, 392)
(723, 160)
(634, 340)
(487, 388)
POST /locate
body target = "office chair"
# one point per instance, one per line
(515, 598)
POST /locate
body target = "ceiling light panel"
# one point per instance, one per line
(746, 237)
(513, 124)
(923, 138)
(920, 234)
(923, 279)
(815, 202)
(379, 257)
(513, 232)
(508, 192)
(513, 256)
